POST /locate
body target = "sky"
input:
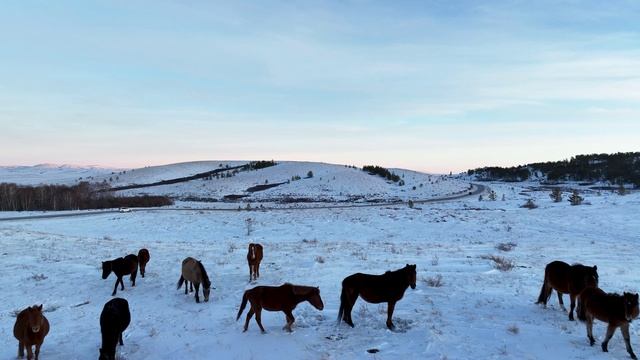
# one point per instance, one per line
(436, 86)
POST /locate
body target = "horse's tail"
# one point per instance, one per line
(545, 291)
(242, 305)
(343, 300)
(581, 312)
(180, 282)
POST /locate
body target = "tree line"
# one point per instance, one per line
(380, 171)
(82, 196)
(615, 168)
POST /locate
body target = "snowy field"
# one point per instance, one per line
(478, 312)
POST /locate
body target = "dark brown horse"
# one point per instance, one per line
(193, 272)
(143, 259)
(114, 319)
(283, 298)
(566, 279)
(30, 329)
(616, 310)
(254, 256)
(388, 287)
(121, 267)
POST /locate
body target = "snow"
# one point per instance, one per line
(478, 312)
(51, 174)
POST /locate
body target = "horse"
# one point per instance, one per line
(566, 279)
(121, 267)
(254, 256)
(143, 259)
(114, 319)
(30, 329)
(616, 310)
(194, 272)
(283, 298)
(388, 287)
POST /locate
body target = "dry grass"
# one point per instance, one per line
(434, 281)
(506, 246)
(499, 262)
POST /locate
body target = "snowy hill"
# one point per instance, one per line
(52, 174)
(288, 180)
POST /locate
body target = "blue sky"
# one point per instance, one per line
(430, 85)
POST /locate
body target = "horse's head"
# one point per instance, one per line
(106, 269)
(631, 310)
(34, 318)
(105, 355)
(206, 290)
(313, 297)
(410, 270)
(591, 276)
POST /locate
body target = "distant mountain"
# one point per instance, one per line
(614, 168)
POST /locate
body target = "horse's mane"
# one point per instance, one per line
(205, 278)
(300, 289)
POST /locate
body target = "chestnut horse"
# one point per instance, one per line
(388, 287)
(283, 298)
(566, 279)
(114, 319)
(143, 259)
(616, 310)
(30, 329)
(254, 256)
(121, 267)
(194, 272)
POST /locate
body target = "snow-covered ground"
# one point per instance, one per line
(477, 313)
(52, 174)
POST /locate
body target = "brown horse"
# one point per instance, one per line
(143, 259)
(194, 272)
(616, 310)
(30, 329)
(388, 287)
(283, 298)
(254, 256)
(566, 279)
(121, 267)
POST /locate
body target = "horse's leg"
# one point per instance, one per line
(191, 286)
(20, 349)
(390, 306)
(560, 300)
(38, 350)
(610, 330)
(29, 352)
(290, 320)
(197, 291)
(134, 274)
(257, 270)
(592, 340)
(259, 319)
(186, 287)
(625, 334)
(352, 297)
(573, 305)
(115, 288)
(249, 315)
(250, 272)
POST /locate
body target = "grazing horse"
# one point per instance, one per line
(121, 267)
(193, 272)
(254, 256)
(616, 310)
(388, 287)
(283, 298)
(114, 319)
(566, 279)
(30, 329)
(143, 259)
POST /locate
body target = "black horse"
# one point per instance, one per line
(121, 267)
(388, 287)
(114, 319)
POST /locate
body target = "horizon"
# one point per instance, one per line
(427, 86)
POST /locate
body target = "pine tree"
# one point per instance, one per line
(575, 198)
(556, 195)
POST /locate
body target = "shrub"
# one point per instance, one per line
(493, 196)
(575, 198)
(410, 203)
(310, 174)
(529, 205)
(506, 246)
(434, 281)
(556, 195)
(500, 263)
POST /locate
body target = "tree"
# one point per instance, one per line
(310, 174)
(621, 189)
(556, 194)
(492, 196)
(410, 203)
